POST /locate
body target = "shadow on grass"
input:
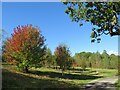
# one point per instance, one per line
(65, 76)
(75, 69)
(79, 69)
(15, 81)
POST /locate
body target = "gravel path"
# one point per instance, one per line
(102, 84)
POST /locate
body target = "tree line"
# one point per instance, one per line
(96, 60)
(26, 48)
(84, 60)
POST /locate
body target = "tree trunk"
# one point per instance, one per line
(26, 69)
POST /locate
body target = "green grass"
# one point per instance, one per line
(50, 78)
(117, 84)
(107, 72)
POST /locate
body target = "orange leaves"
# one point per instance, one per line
(24, 38)
(62, 52)
(20, 37)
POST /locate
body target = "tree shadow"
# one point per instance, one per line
(79, 69)
(65, 76)
(75, 69)
(15, 81)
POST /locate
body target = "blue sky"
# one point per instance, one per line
(55, 25)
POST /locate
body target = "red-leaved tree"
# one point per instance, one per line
(63, 58)
(25, 48)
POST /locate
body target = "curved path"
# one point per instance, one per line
(102, 84)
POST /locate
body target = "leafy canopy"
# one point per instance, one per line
(63, 58)
(103, 15)
(25, 48)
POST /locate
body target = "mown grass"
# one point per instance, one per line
(107, 72)
(117, 84)
(50, 78)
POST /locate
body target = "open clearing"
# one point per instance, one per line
(51, 78)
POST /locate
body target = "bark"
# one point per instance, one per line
(26, 69)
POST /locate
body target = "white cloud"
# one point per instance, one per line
(112, 52)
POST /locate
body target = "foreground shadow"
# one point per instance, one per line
(15, 81)
(65, 76)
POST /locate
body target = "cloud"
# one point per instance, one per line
(112, 52)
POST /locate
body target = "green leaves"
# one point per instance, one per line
(101, 14)
(25, 47)
(93, 34)
(93, 40)
(67, 11)
(96, 60)
(63, 58)
(65, 3)
(81, 24)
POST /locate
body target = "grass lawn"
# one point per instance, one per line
(117, 84)
(50, 78)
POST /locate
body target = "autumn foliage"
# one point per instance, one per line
(25, 47)
(63, 57)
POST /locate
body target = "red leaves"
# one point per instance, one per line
(23, 37)
(59, 51)
(62, 52)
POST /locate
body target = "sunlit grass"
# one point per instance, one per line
(51, 78)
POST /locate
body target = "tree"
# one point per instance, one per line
(88, 61)
(103, 15)
(97, 58)
(54, 63)
(83, 60)
(25, 48)
(3, 50)
(3, 40)
(70, 62)
(113, 61)
(106, 59)
(62, 54)
(77, 59)
(49, 57)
